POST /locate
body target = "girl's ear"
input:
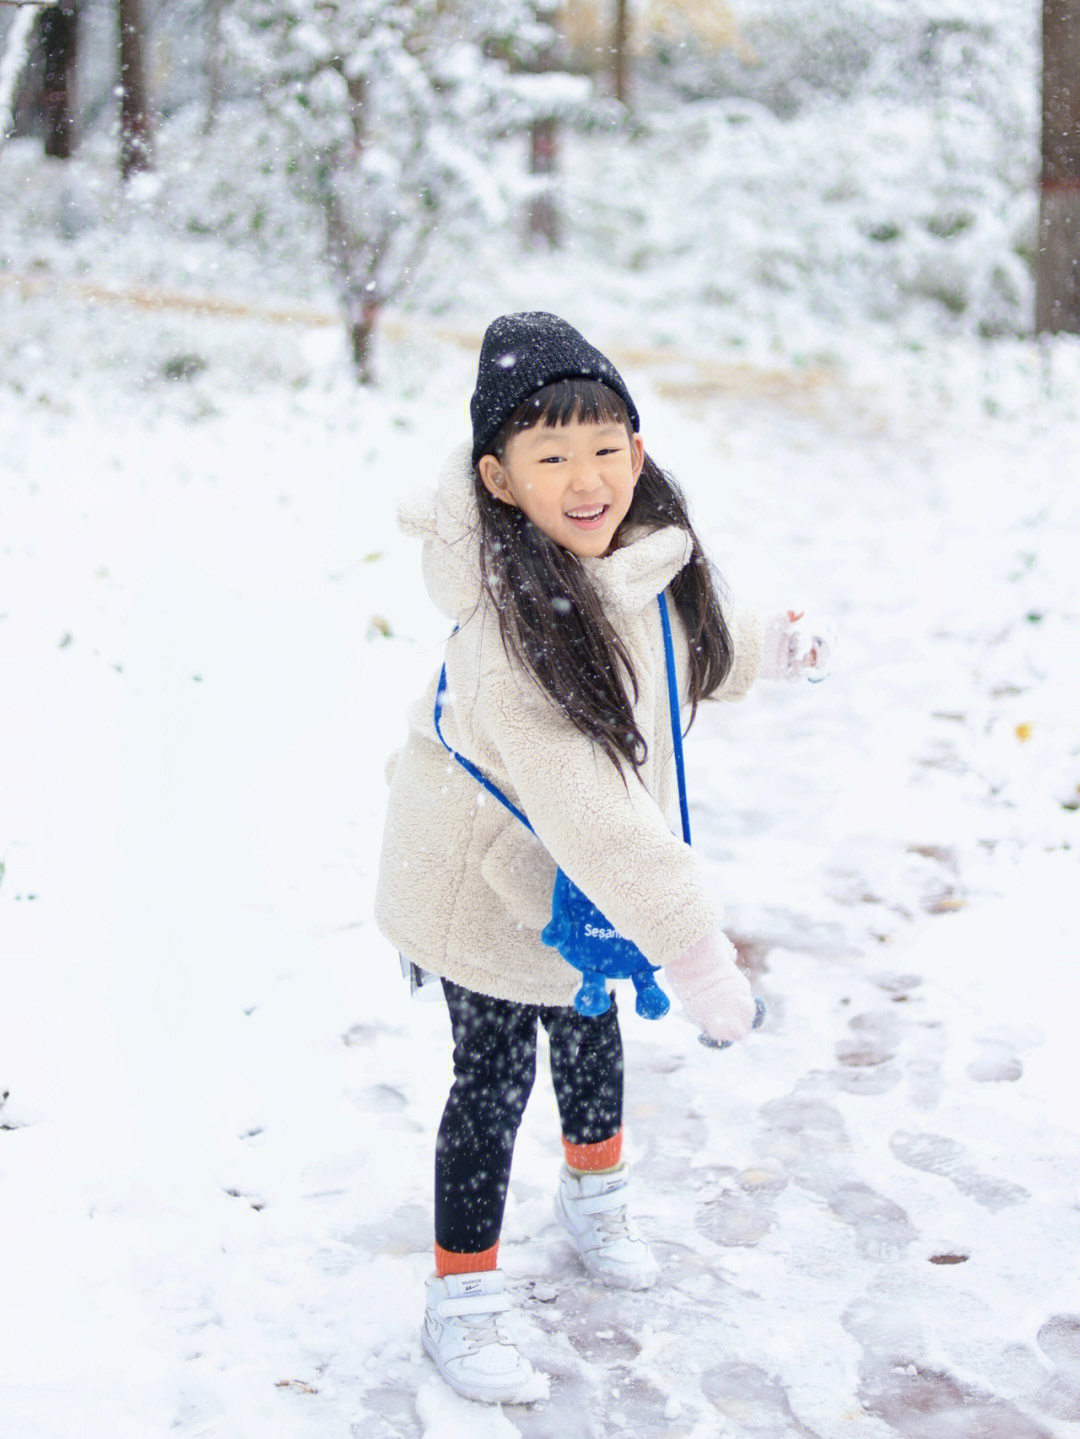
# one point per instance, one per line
(637, 455)
(495, 479)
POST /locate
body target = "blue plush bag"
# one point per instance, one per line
(587, 939)
(579, 931)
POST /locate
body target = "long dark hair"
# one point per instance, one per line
(550, 616)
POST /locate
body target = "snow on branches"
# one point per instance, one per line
(384, 114)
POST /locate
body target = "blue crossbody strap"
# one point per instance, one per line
(467, 764)
(676, 732)
(673, 707)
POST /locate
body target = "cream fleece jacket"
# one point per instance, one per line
(464, 889)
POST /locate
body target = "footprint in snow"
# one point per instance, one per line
(995, 1065)
(915, 1399)
(865, 1056)
(755, 1400)
(926, 1083)
(743, 1212)
(1059, 1340)
(936, 1154)
(809, 1119)
(802, 1135)
(924, 1403)
(882, 1228)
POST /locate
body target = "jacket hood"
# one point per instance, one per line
(446, 520)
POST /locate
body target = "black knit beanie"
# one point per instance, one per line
(523, 353)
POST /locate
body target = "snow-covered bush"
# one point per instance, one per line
(856, 161)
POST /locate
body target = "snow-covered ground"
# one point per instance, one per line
(215, 1154)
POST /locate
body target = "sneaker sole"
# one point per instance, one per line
(496, 1393)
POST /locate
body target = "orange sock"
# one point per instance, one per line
(447, 1261)
(588, 1158)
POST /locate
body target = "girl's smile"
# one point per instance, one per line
(588, 519)
(575, 481)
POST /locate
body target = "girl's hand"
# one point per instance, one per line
(714, 992)
(796, 647)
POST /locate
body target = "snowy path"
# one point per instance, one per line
(215, 1182)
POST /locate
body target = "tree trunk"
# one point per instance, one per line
(542, 223)
(213, 64)
(619, 38)
(59, 37)
(135, 139)
(363, 313)
(543, 212)
(358, 292)
(1057, 278)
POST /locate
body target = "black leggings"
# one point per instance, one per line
(494, 1069)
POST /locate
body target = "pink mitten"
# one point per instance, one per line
(714, 992)
(796, 646)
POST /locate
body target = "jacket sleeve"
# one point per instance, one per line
(601, 827)
(747, 636)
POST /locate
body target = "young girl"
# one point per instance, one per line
(547, 545)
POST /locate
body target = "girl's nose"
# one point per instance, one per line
(586, 478)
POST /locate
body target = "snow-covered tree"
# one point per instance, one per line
(385, 114)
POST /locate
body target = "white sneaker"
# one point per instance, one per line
(592, 1208)
(463, 1334)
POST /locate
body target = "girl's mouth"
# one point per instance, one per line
(587, 519)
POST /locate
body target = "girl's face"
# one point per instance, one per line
(575, 482)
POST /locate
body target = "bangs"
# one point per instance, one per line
(565, 402)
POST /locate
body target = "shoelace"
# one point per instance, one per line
(483, 1329)
(614, 1224)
